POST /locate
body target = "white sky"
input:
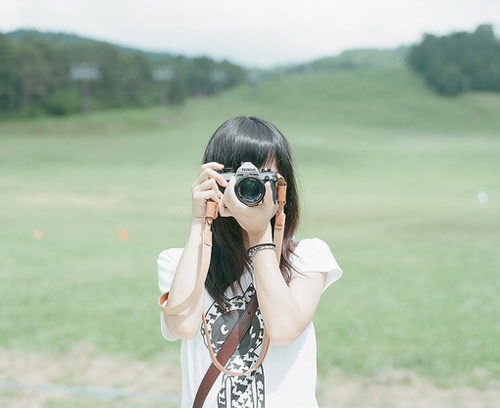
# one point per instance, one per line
(252, 32)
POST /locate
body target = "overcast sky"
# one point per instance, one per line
(253, 33)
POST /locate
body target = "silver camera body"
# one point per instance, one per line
(250, 183)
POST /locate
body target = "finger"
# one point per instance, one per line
(208, 195)
(210, 173)
(212, 165)
(268, 197)
(207, 173)
(207, 185)
(230, 196)
(223, 210)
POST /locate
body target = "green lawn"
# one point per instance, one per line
(389, 175)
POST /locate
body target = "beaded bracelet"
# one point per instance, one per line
(259, 247)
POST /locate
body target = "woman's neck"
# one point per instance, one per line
(246, 242)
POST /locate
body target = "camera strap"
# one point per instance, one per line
(230, 344)
(240, 328)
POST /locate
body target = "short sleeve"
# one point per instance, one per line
(167, 264)
(314, 255)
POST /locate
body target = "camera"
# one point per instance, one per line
(250, 183)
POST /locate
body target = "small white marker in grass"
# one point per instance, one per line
(482, 198)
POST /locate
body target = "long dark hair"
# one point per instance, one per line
(237, 140)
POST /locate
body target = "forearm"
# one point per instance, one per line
(187, 323)
(279, 308)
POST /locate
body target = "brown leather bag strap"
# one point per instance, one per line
(238, 331)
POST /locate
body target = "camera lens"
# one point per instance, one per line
(250, 191)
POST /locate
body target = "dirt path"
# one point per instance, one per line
(403, 389)
(35, 381)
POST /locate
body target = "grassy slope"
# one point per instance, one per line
(389, 174)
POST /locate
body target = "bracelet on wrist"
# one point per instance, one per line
(259, 247)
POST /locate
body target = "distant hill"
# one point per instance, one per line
(363, 58)
(73, 39)
(61, 37)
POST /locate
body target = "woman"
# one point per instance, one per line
(288, 292)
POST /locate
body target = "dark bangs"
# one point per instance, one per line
(242, 139)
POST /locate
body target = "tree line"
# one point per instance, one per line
(49, 73)
(459, 62)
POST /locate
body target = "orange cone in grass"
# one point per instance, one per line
(122, 234)
(37, 234)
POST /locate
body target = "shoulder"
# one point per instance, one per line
(315, 255)
(312, 250)
(170, 254)
(308, 244)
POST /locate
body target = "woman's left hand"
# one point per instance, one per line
(254, 220)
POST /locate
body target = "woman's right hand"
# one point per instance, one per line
(206, 187)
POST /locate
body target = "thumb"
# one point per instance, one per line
(268, 198)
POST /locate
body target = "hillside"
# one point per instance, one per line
(387, 98)
(348, 60)
(64, 38)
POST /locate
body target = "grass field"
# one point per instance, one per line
(389, 176)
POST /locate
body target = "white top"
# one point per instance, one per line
(286, 378)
